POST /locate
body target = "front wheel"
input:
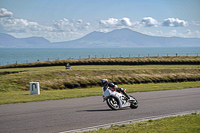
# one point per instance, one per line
(113, 103)
(134, 105)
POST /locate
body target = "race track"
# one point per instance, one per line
(69, 114)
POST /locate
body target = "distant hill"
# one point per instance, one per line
(128, 38)
(8, 41)
(116, 38)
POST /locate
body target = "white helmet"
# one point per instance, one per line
(104, 82)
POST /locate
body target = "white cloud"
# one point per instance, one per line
(159, 32)
(195, 23)
(5, 13)
(188, 32)
(104, 30)
(111, 22)
(173, 32)
(70, 29)
(136, 24)
(149, 21)
(8, 23)
(192, 34)
(21, 25)
(148, 33)
(60, 30)
(70, 25)
(126, 22)
(61, 36)
(174, 22)
(184, 34)
(197, 33)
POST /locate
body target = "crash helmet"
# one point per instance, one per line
(112, 86)
(104, 82)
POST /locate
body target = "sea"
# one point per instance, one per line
(27, 55)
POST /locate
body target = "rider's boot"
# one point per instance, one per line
(128, 98)
(124, 93)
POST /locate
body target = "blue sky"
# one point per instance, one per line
(63, 20)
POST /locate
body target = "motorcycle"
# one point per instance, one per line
(116, 100)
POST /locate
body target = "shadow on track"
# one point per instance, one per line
(97, 110)
(100, 110)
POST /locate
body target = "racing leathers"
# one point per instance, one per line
(114, 87)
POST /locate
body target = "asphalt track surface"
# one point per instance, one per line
(70, 114)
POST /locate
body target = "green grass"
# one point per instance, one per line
(24, 96)
(57, 77)
(179, 124)
(54, 80)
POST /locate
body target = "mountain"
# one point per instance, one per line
(116, 38)
(127, 38)
(8, 41)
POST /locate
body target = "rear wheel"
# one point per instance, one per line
(134, 104)
(113, 103)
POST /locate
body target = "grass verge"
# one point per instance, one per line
(179, 124)
(57, 77)
(24, 96)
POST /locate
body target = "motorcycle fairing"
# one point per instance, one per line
(120, 97)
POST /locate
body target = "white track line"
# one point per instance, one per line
(130, 121)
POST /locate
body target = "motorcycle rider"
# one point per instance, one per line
(112, 86)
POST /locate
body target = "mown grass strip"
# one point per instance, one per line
(24, 96)
(179, 124)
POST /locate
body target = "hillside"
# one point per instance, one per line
(116, 38)
(8, 41)
(128, 38)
